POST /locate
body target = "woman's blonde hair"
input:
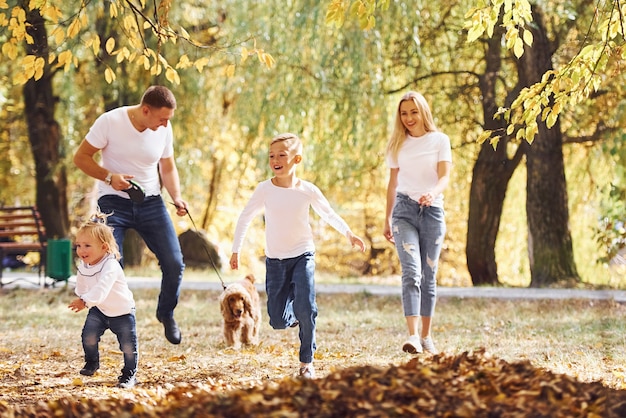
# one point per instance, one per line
(399, 133)
(97, 228)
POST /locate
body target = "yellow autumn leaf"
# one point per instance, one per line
(58, 35)
(494, 142)
(528, 37)
(110, 45)
(96, 45)
(9, 50)
(112, 9)
(518, 49)
(483, 136)
(146, 62)
(201, 63)
(230, 71)
(183, 62)
(40, 64)
(74, 28)
(109, 75)
(20, 78)
(172, 76)
(268, 60)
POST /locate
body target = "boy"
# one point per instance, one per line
(290, 250)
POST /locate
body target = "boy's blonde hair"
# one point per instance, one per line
(399, 133)
(294, 143)
(97, 228)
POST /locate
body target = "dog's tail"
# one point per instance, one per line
(250, 278)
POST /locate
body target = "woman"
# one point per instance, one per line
(420, 160)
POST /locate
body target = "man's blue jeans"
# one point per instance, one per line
(418, 232)
(290, 287)
(153, 223)
(124, 327)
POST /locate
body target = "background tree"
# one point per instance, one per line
(338, 90)
(548, 219)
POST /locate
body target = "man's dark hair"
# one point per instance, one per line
(158, 97)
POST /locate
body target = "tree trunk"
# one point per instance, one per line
(491, 174)
(550, 243)
(45, 136)
(114, 96)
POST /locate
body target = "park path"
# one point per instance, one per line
(26, 281)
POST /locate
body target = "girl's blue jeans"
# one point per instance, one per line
(124, 327)
(418, 232)
(290, 287)
(153, 223)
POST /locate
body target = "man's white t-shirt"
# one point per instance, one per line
(288, 233)
(128, 151)
(417, 160)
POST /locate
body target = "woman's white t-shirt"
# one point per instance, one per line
(417, 162)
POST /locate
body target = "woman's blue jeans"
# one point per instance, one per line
(418, 232)
(290, 287)
(153, 223)
(124, 327)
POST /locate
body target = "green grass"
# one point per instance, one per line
(41, 353)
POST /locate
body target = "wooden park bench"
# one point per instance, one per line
(21, 232)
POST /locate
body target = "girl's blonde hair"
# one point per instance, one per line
(399, 133)
(294, 144)
(97, 228)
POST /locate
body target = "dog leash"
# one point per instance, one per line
(205, 248)
(137, 194)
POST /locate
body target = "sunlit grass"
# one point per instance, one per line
(41, 353)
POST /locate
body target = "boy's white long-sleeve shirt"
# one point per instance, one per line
(288, 233)
(104, 285)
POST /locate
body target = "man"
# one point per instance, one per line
(136, 142)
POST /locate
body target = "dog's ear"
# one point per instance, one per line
(247, 302)
(225, 309)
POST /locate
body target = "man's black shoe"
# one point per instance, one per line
(90, 368)
(172, 333)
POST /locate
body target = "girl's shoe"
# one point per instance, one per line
(90, 368)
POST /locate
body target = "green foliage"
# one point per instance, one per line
(336, 89)
(611, 230)
(149, 34)
(583, 74)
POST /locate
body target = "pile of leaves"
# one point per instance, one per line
(471, 384)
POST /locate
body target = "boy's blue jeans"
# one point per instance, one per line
(290, 287)
(418, 232)
(124, 327)
(153, 223)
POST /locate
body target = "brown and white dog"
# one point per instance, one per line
(241, 310)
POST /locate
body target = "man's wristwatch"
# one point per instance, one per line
(107, 179)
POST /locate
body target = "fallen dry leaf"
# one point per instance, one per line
(471, 384)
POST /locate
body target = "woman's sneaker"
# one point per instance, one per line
(428, 345)
(412, 345)
(126, 380)
(307, 372)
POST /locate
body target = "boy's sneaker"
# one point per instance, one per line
(428, 345)
(412, 345)
(307, 372)
(126, 381)
(90, 368)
